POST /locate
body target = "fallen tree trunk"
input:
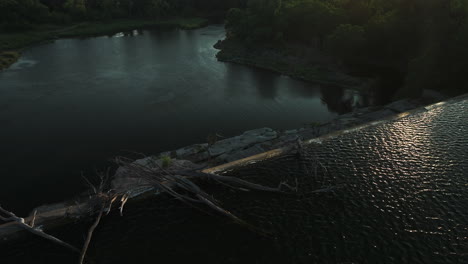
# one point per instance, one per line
(35, 230)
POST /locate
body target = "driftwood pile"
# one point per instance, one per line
(180, 183)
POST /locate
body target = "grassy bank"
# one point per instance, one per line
(14, 43)
(295, 61)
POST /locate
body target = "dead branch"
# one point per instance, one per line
(236, 181)
(179, 184)
(35, 230)
(33, 219)
(89, 183)
(219, 209)
(123, 201)
(110, 204)
(90, 235)
(327, 189)
(104, 200)
(100, 198)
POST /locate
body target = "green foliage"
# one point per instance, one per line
(13, 41)
(347, 41)
(309, 20)
(426, 38)
(443, 66)
(166, 161)
(157, 8)
(235, 21)
(24, 14)
(14, 12)
(301, 20)
(76, 8)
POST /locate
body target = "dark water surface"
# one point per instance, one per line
(401, 197)
(68, 106)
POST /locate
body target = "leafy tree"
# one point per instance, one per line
(310, 21)
(157, 8)
(347, 41)
(236, 24)
(21, 14)
(76, 8)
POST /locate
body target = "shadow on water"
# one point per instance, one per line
(266, 84)
(83, 101)
(340, 100)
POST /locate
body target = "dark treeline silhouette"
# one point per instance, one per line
(23, 14)
(425, 40)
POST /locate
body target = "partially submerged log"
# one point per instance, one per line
(65, 214)
(141, 179)
(179, 183)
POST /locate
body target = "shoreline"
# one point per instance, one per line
(287, 60)
(252, 142)
(12, 44)
(7, 58)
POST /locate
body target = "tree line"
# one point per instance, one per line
(425, 39)
(23, 14)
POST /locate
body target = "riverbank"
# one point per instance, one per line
(13, 43)
(7, 58)
(299, 62)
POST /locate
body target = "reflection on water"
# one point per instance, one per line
(401, 197)
(22, 64)
(68, 106)
(132, 33)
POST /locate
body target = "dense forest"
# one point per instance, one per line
(424, 39)
(22, 14)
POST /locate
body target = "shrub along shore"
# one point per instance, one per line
(11, 44)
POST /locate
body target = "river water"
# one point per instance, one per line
(69, 106)
(400, 196)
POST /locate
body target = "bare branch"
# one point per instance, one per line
(89, 184)
(20, 221)
(110, 204)
(33, 219)
(179, 184)
(90, 235)
(123, 200)
(233, 180)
